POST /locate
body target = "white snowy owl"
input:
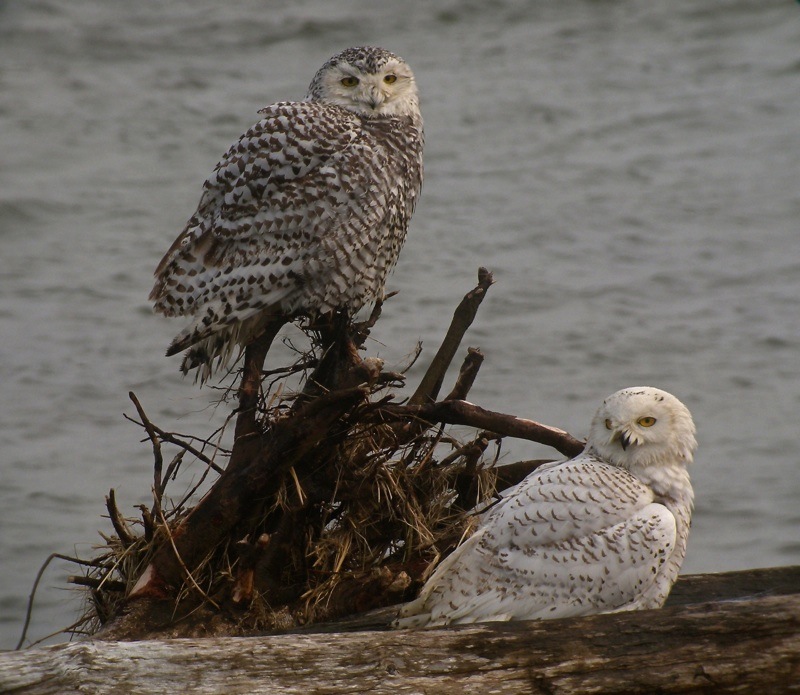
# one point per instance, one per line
(305, 214)
(603, 532)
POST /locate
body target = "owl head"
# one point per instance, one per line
(369, 81)
(642, 426)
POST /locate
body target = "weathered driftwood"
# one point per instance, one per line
(742, 643)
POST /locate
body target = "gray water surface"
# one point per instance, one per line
(627, 169)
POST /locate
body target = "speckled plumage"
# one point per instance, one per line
(603, 532)
(305, 214)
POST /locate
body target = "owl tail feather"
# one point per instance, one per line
(210, 354)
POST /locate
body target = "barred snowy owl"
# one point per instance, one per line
(305, 214)
(603, 532)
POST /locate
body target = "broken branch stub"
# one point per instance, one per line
(464, 315)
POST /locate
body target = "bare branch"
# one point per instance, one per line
(463, 317)
(177, 440)
(97, 582)
(125, 535)
(466, 413)
(148, 426)
(29, 610)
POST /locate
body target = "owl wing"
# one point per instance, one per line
(575, 538)
(280, 205)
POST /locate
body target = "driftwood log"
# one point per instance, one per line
(729, 633)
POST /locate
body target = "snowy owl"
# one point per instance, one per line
(305, 214)
(600, 533)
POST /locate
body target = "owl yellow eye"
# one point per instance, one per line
(646, 421)
(390, 79)
(349, 81)
(608, 424)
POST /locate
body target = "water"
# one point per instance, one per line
(627, 169)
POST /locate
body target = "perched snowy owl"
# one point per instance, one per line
(305, 213)
(603, 532)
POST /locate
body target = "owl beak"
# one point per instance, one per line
(624, 439)
(375, 98)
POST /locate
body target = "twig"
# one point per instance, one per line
(29, 611)
(172, 471)
(97, 583)
(148, 426)
(147, 522)
(463, 317)
(190, 493)
(174, 439)
(70, 629)
(465, 450)
(412, 358)
(284, 371)
(361, 330)
(125, 535)
(466, 482)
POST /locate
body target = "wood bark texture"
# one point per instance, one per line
(741, 644)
